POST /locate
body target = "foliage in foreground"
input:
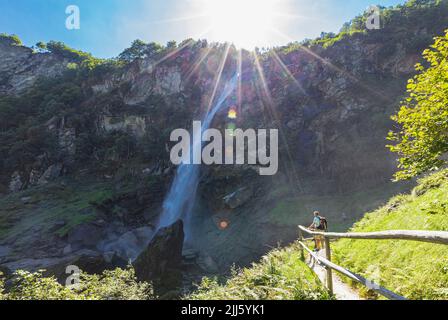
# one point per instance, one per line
(423, 118)
(281, 275)
(111, 285)
(416, 270)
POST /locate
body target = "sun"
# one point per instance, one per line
(245, 23)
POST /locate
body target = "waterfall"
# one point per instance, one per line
(182, 195)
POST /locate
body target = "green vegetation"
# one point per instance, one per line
(30, 122)
(71, 201)
(60, 49)
(397, 25)
(281, 275)
(423, 118)
(415, 270)
(111, 285)
(140, 49)
(12, 39)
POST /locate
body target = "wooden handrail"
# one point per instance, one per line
(437, 237)
(440, 237)
(381, 290)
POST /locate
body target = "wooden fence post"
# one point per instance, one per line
(302, 254)
(329, 272)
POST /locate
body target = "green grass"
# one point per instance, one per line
(71, 202)
(280, 275)
(413, 269)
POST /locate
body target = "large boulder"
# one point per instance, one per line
(160, 262)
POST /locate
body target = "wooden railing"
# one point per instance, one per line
(438, 237)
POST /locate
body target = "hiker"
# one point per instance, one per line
(319, 224)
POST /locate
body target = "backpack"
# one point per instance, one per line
(323, 224)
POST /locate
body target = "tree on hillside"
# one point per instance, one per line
(171, 44)
(61, 49)
(422, 137)
(140, 50)
(135, 51)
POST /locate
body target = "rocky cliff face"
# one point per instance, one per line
(104, 190)
(20, 67)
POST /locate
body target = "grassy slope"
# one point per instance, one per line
(415, 270)
(281, 275)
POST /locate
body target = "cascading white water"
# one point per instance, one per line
(182, 195)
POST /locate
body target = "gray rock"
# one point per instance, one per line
(25, 199)
(129, 245)
(51, 173)
(168, 81)
(16, 183)
(126, 247)
(22, 68)
(67, 137)
(67, 249)
(34, 177)
(136, 125)
(238, 198)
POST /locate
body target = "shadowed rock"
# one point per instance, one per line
(160, 262)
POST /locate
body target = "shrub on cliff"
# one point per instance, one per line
(10, 39)
(422, 139)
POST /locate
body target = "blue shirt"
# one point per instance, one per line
(316, 222)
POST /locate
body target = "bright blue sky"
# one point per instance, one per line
(109, 26)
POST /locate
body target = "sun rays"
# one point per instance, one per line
(242, 22)
(238, 25)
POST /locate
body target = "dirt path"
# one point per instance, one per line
(341, 290)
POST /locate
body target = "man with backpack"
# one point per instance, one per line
(319, 224)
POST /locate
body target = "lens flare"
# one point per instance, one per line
(223, 224)
(233, 114)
